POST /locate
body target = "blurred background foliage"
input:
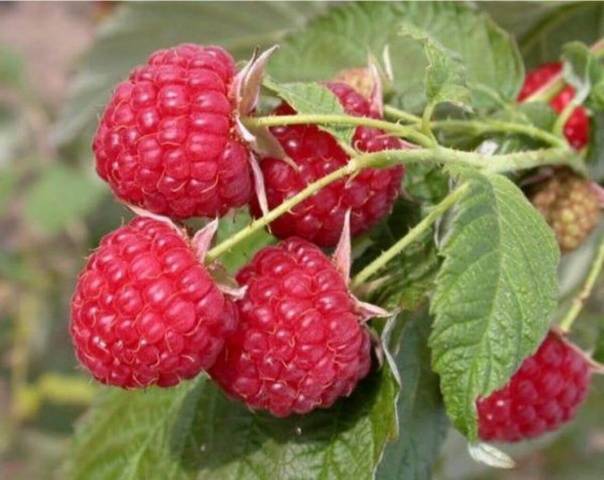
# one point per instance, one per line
(58, 62)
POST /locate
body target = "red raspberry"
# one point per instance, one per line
(543, 394)
(576, 129)
(166, 140)
(300, 344)
(145, 311)
(370, 194)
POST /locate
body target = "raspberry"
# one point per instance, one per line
(569, 205)
(145, 311)
(370, 194)
(542, 395)
(166, 141)
(300, 344)
(576, 129)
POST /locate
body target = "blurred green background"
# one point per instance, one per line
(58, 62)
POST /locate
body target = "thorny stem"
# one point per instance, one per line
(579, 300)
(394, 128)
(563, 117)
(492, 126)
(401, 115)
(492, 164)
(415, 233)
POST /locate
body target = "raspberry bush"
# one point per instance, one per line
(392, 198)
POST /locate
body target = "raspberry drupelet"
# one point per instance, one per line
(300, 343)
(543, 394)
(145, 311)
(166, 141)
(369, 195)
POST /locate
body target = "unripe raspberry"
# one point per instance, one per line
(569, 205)
(369, 195)
(300, 344)
(145, 311)
(543, 394)
(166, 141)
(576, 128)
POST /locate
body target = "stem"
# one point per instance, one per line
(399, 130)
(489, 126)
(579, 301)
(354, 165)
(397, 114)
(535, 158)
(413, 234)
(493, 164)
(558, 128)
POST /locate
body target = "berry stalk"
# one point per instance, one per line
(415, 233)
(579, 300)
(401, 115)
(409, 133)
(496, 126)
(490, 163)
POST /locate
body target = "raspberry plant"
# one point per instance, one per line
(452, 312)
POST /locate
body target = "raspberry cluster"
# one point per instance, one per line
(369, 195)
(576, 128)
(146, 311)
(544, 393)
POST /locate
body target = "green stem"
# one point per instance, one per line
(494, 164)
(399, 130)
(491, 126)
(414, 234)
(565, 114)
(579, 301)
(401, 115)
(354, 165)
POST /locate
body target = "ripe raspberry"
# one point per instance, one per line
(300, 344)
(145, 311)
(569, 205)
(370, 194)
(576, 129)
(166, 140)
(542, 395)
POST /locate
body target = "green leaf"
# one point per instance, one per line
(494, 294)
(346, 34)
(193, 431)
(595, 152)
(59, 196)
(426, 182)
(544, 27)
(234, 259)
(522, 18)
(582, 69)
(445, 77)
(137, 29)
(129, 435)
(423, 422)
(313, 98)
